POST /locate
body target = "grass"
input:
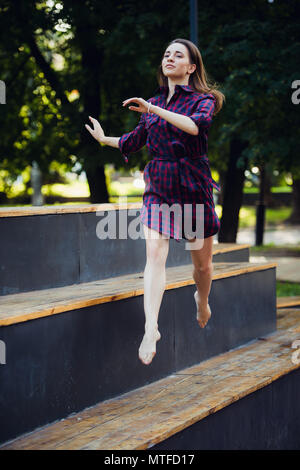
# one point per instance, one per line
(115, 199)
(247, 216)
(271, 247)
(279, 215)
(73, 189)
(274, 189)
(273, 217)
(287, 289)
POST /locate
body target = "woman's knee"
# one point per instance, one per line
(157, 250)
(203, 266)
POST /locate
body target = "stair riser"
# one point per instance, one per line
(63, 363)
(237, 256)
(63, 249)
(267, 419)
(243, 308)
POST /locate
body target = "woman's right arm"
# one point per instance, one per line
(98, 134)
(128, 143)
(112, 141)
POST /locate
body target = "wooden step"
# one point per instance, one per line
(64, 209)
(16, 308)
(150, 415)
(291, 301)
(219, 248)
(231, 252)
(91, 334)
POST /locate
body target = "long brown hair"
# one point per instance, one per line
(199, 79)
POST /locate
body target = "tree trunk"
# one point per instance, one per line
(295, 215)
(268, 197)
(222, 179)
(97, 184)
(233, 194)
(261, 207)
(91, 59)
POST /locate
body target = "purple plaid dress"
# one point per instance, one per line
(178, 197)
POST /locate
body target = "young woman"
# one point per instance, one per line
(174, 125)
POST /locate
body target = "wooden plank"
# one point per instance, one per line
(63, 209)
(225, 247)
(16, 308)
(146, 416)
(283, 302)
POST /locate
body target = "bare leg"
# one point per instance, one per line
(202, 274)
(157, 249)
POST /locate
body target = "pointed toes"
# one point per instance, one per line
(147, 359)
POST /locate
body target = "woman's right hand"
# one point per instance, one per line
(97, 131)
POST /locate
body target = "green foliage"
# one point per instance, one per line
(98, 49)
(64, 62)
(253, 54)
(287, 289)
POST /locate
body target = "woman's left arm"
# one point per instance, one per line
(201, 117)
(181, 121)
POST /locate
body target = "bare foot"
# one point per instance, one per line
(147, 348)
(203, 311)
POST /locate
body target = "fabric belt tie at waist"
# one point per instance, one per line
(191, 174)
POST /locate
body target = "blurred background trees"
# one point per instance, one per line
(64, 60)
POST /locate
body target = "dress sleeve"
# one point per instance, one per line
(133, 141)
(203, 114)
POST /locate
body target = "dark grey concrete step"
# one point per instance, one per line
(44, 247)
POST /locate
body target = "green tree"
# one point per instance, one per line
(106, 54)
(253, 52)
(110, 50)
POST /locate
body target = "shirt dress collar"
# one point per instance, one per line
(164, 89)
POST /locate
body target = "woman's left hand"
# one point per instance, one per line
(142, 104)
